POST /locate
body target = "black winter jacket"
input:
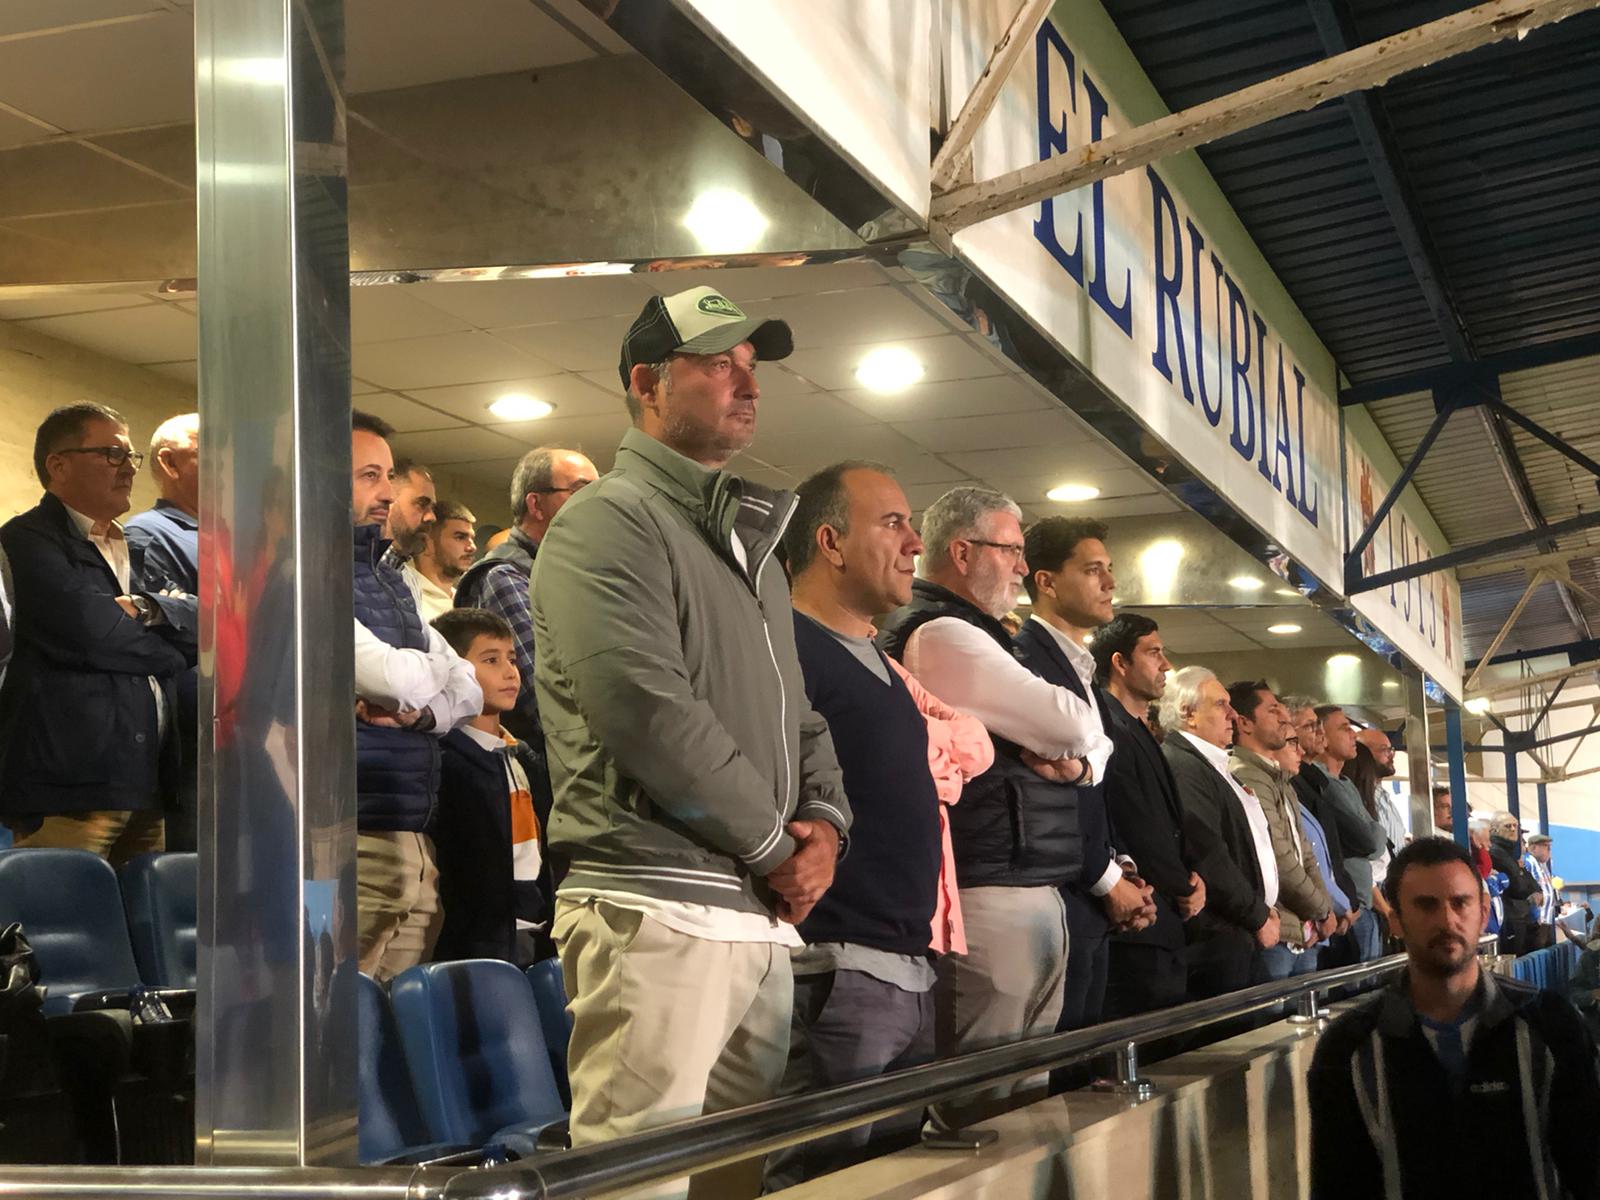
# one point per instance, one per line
(1387, 1125)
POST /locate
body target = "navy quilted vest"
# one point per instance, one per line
(397, 770)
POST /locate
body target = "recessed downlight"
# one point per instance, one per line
(1391, 683)
(1343, 660)
(889, 369)
(1285, 628)
(519, 406)
(1069, 493)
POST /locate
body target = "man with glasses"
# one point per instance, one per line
(1015, 831)
(1312, 786)
(88, 702)
(543, 482)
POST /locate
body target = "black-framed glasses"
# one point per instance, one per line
(1015, 549)
(115, 455)
(576, 487)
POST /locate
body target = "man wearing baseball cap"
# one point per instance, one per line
(698, 803)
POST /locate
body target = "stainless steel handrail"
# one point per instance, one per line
(687, 1146)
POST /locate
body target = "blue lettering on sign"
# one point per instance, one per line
(1169, 287)
(1243, 437)
(1270, 435)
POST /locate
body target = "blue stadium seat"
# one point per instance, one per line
(71, 909)
(158, 891)
(550, 995)
(392, 1128)
(473, 1040)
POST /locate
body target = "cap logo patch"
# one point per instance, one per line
(719, 306)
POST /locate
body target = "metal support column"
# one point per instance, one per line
(1419, 770)
(1544, 808)
(1456, 754)
(1513, 801)
(276, 1025)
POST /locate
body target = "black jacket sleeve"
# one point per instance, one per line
(1344, 1162)
(1143, 820)
(1574, 1098)
(1230, 894)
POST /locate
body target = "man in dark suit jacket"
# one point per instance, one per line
(1070, 582)
(1149, 967)
(1238, 918)
(88, 704)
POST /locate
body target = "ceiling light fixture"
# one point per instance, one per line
(1479, 705)
(1391, 683)
(1343, 660)
(1246, 583)
(722, 219)
(889, 369)
(1285, 628)
(1068, 493)
(519, 406)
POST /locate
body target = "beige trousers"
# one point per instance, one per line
(666, 1027)
(114, 836)
(397, 895)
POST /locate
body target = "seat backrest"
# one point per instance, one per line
(476, 1051)
(71, 909)
(550, 994)
(391, 1121)
(158, 891)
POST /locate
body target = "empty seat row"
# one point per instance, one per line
(92, 932)
(1550, 969)
(455, 1058)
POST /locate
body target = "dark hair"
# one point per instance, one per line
(1120, 635)
(823, 501)
(1362, 770)
(64, 427)
(365, 422)
(404, 468)
(1424, 852)
(1050, 542)
(452, 510)
(1440, 789)
(462, 626)
(1324, 711)
(1245, 696)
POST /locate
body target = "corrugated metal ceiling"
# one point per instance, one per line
(1500, 151)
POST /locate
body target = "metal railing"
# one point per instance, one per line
(703, 1142)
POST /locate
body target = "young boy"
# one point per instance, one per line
(494, 880)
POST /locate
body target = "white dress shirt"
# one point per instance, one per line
(967, 669)
(1260, 834)
(404, 680)
(113, 547)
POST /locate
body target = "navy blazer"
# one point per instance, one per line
(78, 722)
(1145, 808)
(1038, 650)
(1215, 826)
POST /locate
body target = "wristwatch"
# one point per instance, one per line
(1087, 778)
(146, 610)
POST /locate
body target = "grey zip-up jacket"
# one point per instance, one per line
(675, 716)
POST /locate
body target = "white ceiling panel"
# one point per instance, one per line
(383, 314)
(450, 358)
(19, 131)
(993, 432)
(803, 412)
(407, 416)
(157, 333)
(593, 435)
(188, 372)
(396, 43)
(492, 303)
(943, 358)
(923, 494)
(591, 345)
(1066, 459)
(454, 445)
(833, 318)
(32, 16)
(959, 398)
(104, 76)
(61, 303)
(360, 387)
(571, 395)
(1112, 482)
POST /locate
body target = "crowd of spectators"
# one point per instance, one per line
(765, 769)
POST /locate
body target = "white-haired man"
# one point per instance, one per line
(168, 537)
(1227, 828)
(1015, 831)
